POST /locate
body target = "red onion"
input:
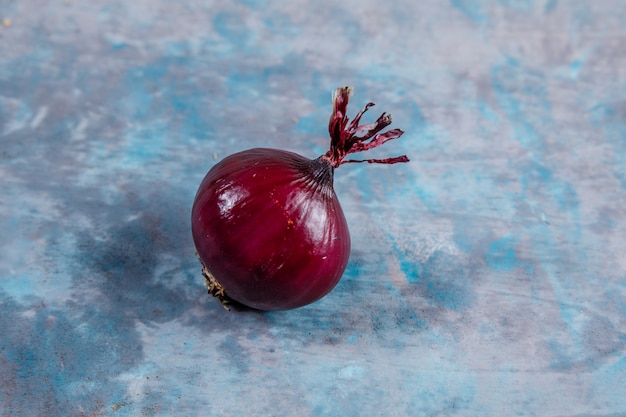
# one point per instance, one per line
(267, 224)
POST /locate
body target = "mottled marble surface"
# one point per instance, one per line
(487, 276)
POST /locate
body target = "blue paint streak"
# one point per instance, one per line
(551, 5)
(517, 5)
(566, 196)
(575, 68)
(608, 379)
(282, 24)
(463, 240)
(502, 255)
(609, 118)
(427, 194)
(311, 123)
(232, 29)
(519, 91)
(409, 266)
(253, 4)
(535, 176)
(488, 112)
(472, 9)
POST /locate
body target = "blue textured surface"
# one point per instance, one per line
(487, 277)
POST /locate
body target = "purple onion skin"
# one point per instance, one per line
(269, 228)
(267, 224)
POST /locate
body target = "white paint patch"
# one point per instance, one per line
(15, 113)
(78, 133)
(351, 372)
(39, 117)
(132, 217)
